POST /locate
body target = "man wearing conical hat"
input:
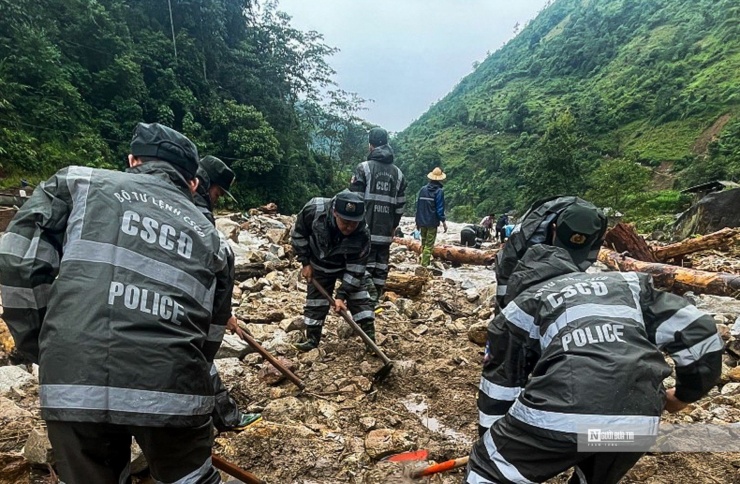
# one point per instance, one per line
(430, 212)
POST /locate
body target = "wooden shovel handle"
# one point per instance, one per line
(235, 471)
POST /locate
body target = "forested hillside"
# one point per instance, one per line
(622, 101)
(76, 75)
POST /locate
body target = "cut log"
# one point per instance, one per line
(623, 238)
(404, 284)
(715, 240)
(453, 253)
(674, 278)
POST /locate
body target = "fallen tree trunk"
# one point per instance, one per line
(623, 238)
(721, 238)
(674, 278)
(404, 284)
(453, 253)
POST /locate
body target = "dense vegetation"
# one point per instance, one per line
(593, 97)
(76, 75)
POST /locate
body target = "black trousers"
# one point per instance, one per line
(377, 269)
(317, 307)
(225, 411)
(100, 453)
(506, 454)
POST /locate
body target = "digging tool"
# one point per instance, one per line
(441, 467)
(387, 363)
(234, 470)
(412, 455)
(266, 355)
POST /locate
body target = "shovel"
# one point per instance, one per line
(381, 374)
(441, 467)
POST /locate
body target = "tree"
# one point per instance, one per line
(617, 184)
(555, 167)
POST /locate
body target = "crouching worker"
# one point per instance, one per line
(572, 352)
(474, 235)
(331, 242)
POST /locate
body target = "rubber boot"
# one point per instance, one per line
(313, 336)
(368, 327)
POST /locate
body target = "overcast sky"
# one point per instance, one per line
(407, 54)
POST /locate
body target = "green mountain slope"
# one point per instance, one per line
(582, 100)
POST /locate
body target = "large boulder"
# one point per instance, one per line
(710, 214)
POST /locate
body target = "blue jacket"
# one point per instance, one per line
(430, 205)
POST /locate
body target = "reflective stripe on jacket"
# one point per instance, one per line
(119, 287)
(317, 241)
(384, 189)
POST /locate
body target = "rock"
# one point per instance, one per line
(382, 442)
(367, 423)
(724, 332)
(403, 368)
(233, 347)
(277, 250)
(406, 308)
(713, 212)
(437, 315)
(725, 374)
(271, 375)
(237, 293)
(288, 408)
(669, 382)
(296, 323)
(467, 284)
(645, 468)
(478, 333)
(229, 228)
(262, 332)
(455, 327)
(277, 236)
(421, 329)
(734, 374)
(252, 285)
(363, 383)
(316, 354)
(14, 377)
(8, 409)
(270, 257)
(252, 359)
(733, 347)
(38, 448)
(471, 295)
(326, 409)
(14, 469)
(138, 461)
(366, 368)
(229, 367)
(730, 389)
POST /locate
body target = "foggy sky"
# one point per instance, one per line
(407, 54)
